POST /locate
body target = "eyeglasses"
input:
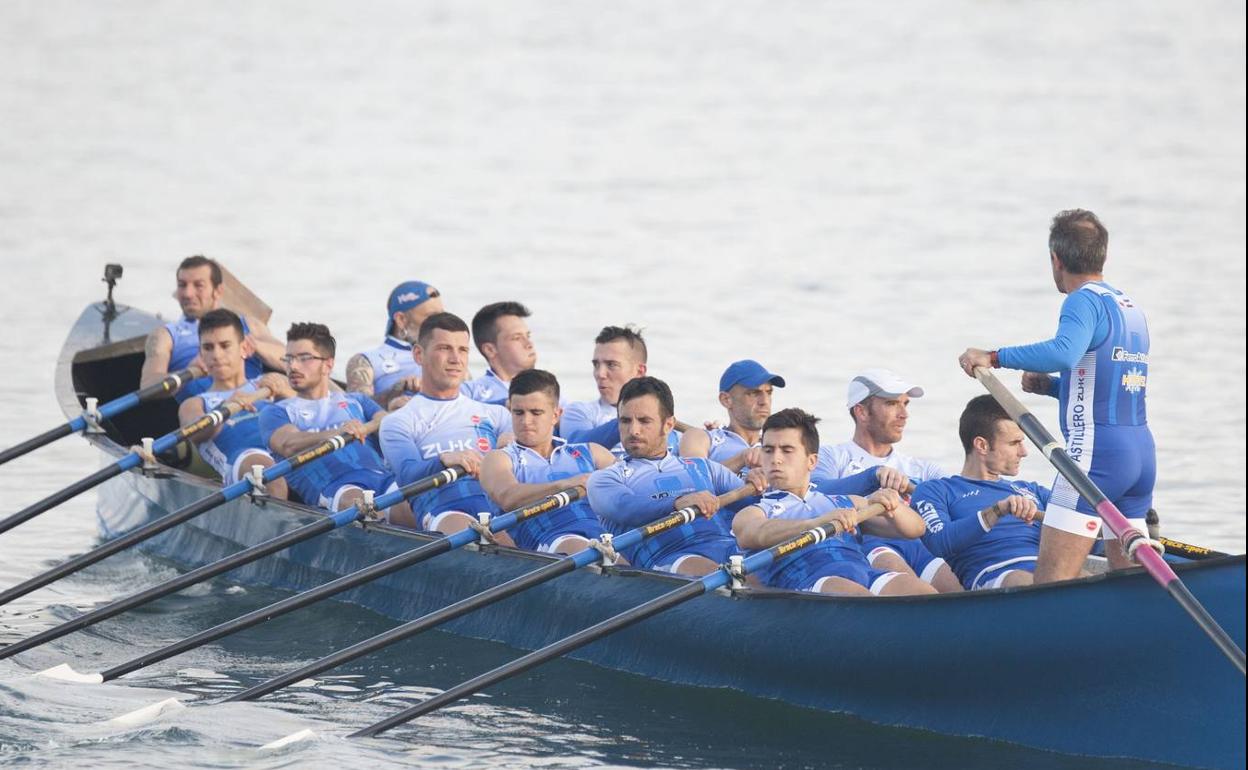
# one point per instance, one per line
(303, 359)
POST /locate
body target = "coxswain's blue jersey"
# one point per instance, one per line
(529, 467)
(392, 361)
(803, 567)
(638, 490)
(414, 436)
(950, 508)
(489, 388)
(238, 435)
(324, 414)
(185, 335)
(1101, 351)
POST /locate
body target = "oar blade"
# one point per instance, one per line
(145, 715)
(297, 737)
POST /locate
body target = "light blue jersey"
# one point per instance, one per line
(238, 436)
(392, 361)
(955, 531)
(185, 335)
(638, 490)
(838, 556)
(489, 388)
(356, 464)
(413, 437)
(726, 444)
(529, 467)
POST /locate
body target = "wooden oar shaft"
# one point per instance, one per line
(1144, 555)
(581, 638)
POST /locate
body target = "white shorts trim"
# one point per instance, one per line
(879, 551)
(929, 572)
(554, 545)
(237, 471)
(877, 585)
(431, 521)
(997, 581)
(1016, 560)
(678, 562)
(1079, 523)
(332, 504)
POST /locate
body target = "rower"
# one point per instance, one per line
(389, 371)
(1101, 352)
(619, 356)
(440, 427)
(504, 339)
(790, 449)
(652, 481)
(175, 345)
(315, 414)
(979, 522)
(537, 464)
(745, 390)
(878, 402)
(235, 446)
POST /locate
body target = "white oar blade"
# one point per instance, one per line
(66, 673)
(302, 735)
(149, 713)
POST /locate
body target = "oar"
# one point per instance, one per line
(498, 523)
(166, 387)
(717, 579)
(1133, 542)
(487, 597)
(197, 508)
(246, 556)
(1189, 551)
(130, 460)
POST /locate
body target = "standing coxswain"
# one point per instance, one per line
(1101, 352)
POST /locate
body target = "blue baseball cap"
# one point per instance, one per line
(749, 373)
(406, 296)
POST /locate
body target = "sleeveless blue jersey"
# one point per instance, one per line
(238, 435)
(185, 335)
(637, 490)
(392, 361)
(488, 389)
(1108, 384)
(318, 415)
(725, 444)
(805, 566)
(950, 508)
(565, 461)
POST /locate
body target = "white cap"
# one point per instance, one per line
(879, 382)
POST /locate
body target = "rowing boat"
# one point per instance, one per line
(1102, 666)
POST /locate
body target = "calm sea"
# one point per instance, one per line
(820, 186)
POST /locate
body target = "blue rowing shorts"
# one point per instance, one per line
(913, 553)
(1122, 464)
(806, 571)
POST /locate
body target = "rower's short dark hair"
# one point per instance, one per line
(534, 381)
(980, 418)
(485, 322)
(1079, 240)
(649, 386)
(630, 334)
(317, 334)
(445, 321)
(803, 422)
(199, 260)
(221, 319)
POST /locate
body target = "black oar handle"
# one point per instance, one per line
(169, 384)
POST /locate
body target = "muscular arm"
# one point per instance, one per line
(695, 443)
(754, 530)
(499, 481)
(190, 411)
(156, 351)
(288, 440)
(945, 536)
(360, 375)
(1080, 324)
(904, 522)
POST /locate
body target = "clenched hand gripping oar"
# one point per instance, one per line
(227, 410)
(716, 579)
(1133, 542)
(477, 601)
(245, 556)
(131, 460)
(166, 387)
(498, 523)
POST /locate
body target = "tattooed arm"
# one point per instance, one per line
(156, 352)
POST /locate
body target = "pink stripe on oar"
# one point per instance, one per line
(1144, 555)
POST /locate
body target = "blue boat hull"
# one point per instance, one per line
(1105, 666)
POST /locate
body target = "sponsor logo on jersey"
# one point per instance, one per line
(1023, 491)
(1091, 526)
(1122, 354)
(389, 366)
(475, 420)
(1134, 380)
(930, 517)
(483, 444)
(430, 451)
